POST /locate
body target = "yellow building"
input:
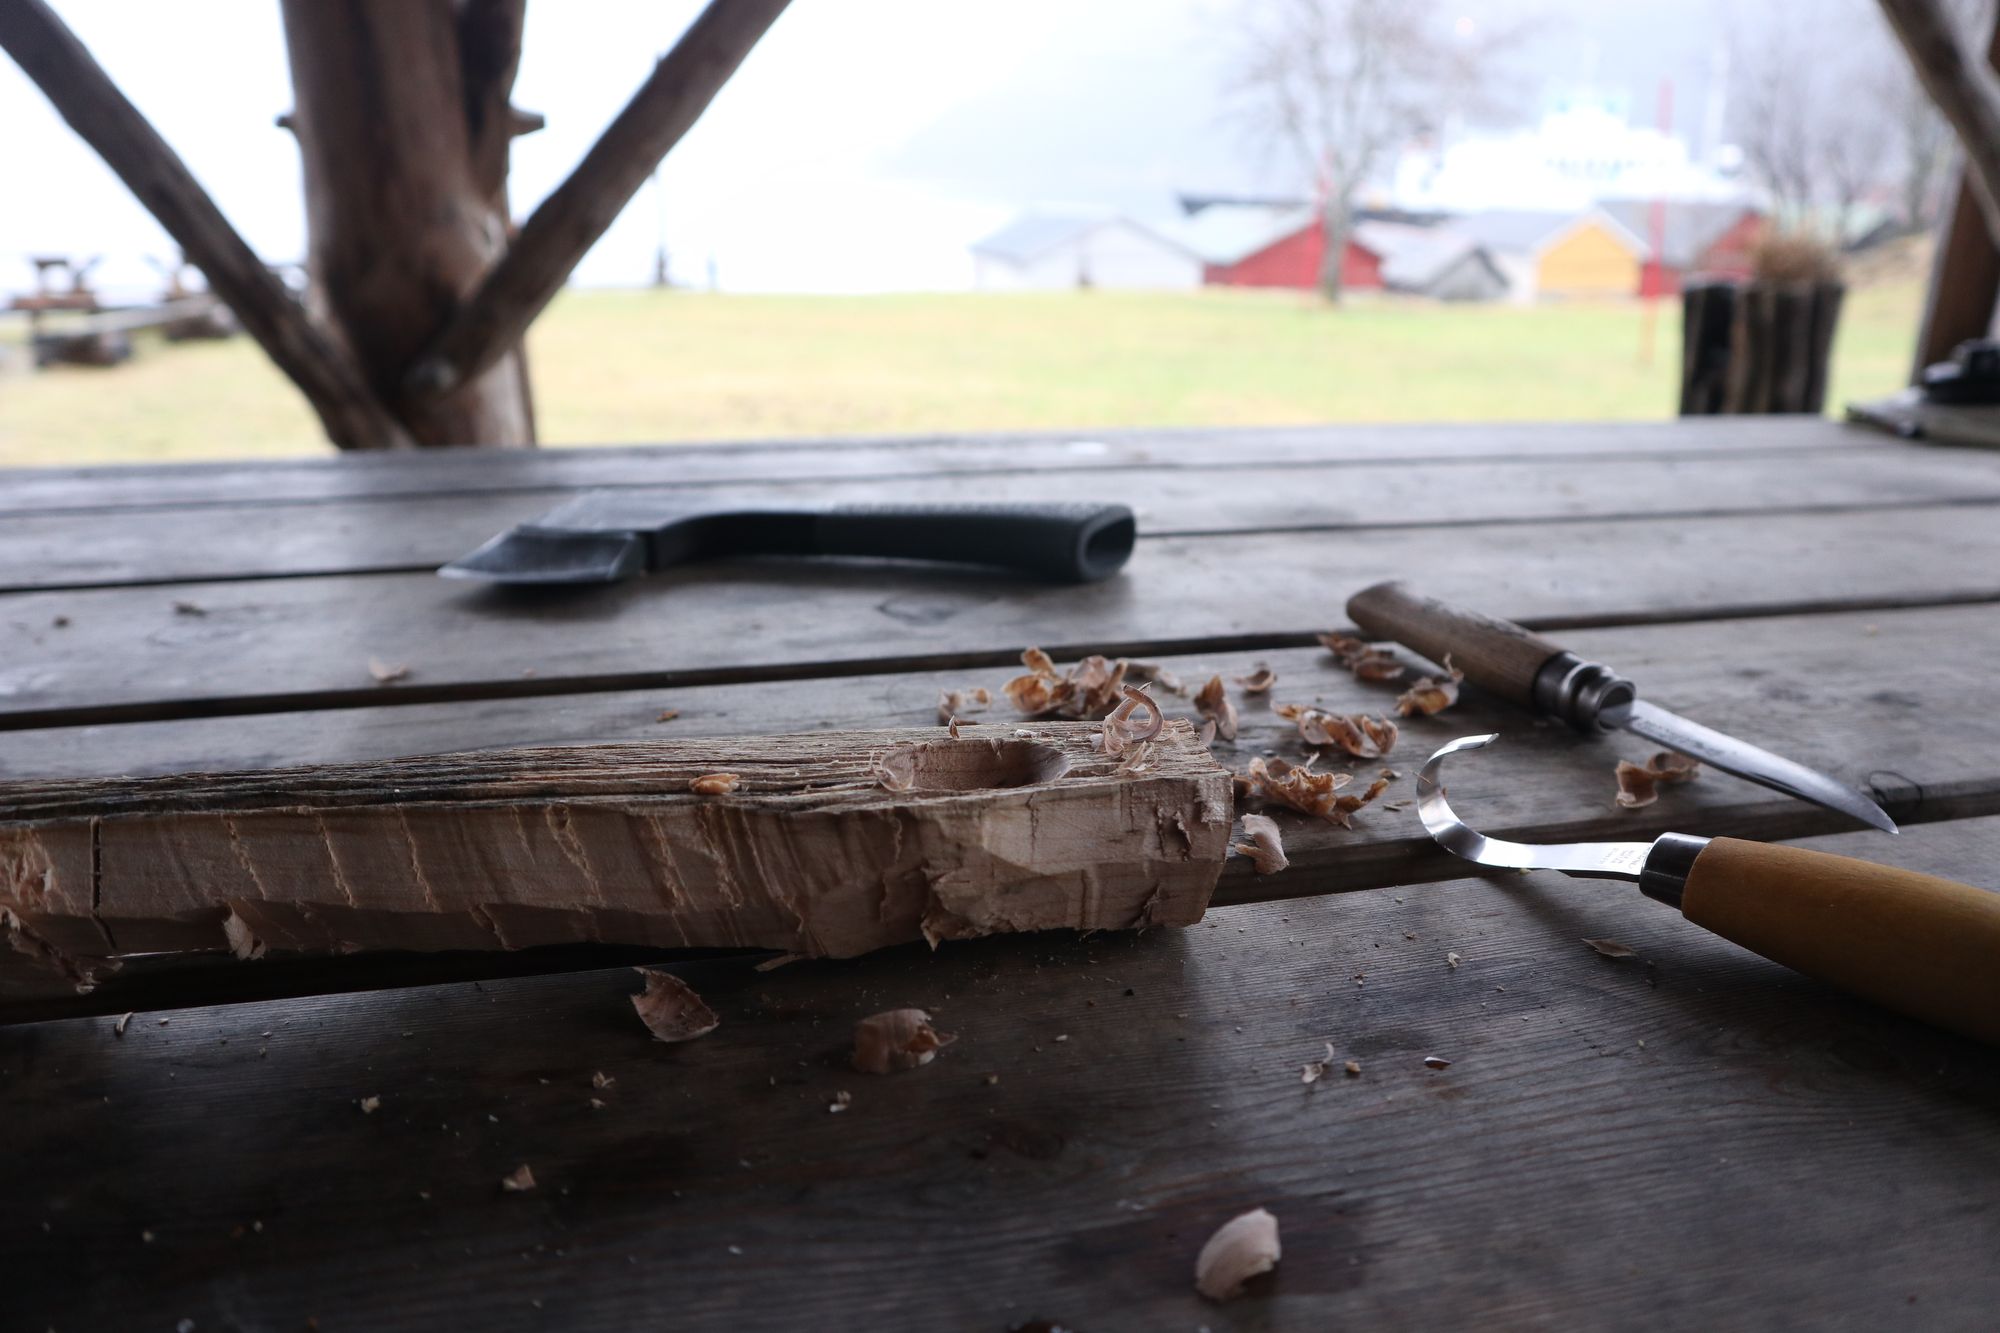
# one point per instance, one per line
(1587, 254)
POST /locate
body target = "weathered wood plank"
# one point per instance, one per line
(253, 540)
(828, 844)
(130, 654)
(1616, 1142)
(150, 486)
(1810, 687)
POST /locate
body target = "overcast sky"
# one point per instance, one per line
(863, 145)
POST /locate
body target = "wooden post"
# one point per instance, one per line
(405, 201)
(1965, 275)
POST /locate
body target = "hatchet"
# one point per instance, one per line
(605, 536)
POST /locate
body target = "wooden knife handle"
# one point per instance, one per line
(1497, 655)
(1915, 943)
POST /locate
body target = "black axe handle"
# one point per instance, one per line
(1065, 543)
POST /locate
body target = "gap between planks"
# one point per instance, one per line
(602, 683)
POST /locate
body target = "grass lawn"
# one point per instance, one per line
(636, 366)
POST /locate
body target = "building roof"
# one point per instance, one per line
(1224, 233)
(1690, 227)
(1530, 231)
(1035, 234)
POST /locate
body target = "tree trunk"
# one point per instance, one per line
(1334, 227)
(403, 128)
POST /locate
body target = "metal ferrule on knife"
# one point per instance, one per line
(1579, 692)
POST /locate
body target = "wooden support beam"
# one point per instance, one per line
(810, 852)
(489, 54)
(577, 213)
(1965, 274)
(52, 56)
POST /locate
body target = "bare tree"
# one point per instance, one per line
(1339, 85)
(1828, 115)
(421, 290)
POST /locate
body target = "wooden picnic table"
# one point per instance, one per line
(1688, 1137)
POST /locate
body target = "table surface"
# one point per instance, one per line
(1689, 1136)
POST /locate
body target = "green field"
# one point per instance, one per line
(633, 366)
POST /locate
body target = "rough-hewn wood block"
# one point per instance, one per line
(1000, 830)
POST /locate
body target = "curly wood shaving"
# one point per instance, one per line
(387, 673)
(670, 1008)
(1366, 660)
(1259, 681)
(962, 703)
(1357, 733)
(518, 1181)
(1118, 733)
(1639, 784)
(1266, 848)
(1312, 1071)
(1212, 702)
(1240, 1249)
(1436, 1062)
(715, 784)
(896, 1039)
(1207, 733)
(1613, 949)
(951, 728)
(1427, 696)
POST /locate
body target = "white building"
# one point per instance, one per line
(1053, 252)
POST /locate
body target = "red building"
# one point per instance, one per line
(1293, 259)
(1701, 240)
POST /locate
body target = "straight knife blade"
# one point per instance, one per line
(1725, 752)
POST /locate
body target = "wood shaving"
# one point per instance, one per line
(841, 1101)
(1452, 960)
(668, 715)
(962, 703)
(1136, 761)
(951, 728)
(1613, 949)
(670, 1009)
(1366, 660)
(1159, 675)
(1119, 733)
(1639, 784)
(187, 609)
(716, 784)
(1428, 697)
(1091, 688)
(518, 1181)
(1297, 786)
(895, 769)
(1436, 1062)
(896, 1039)
(1312, 1071)
(1259, 681)
(782, 960)
(370, 1105)
(1352, 1068)
(601, 1080)
(387, 673)
(1212, 702)
(1266, 848)
(241, 942)
(1360, 735)
(1240, 1249)
(118, 1028)
(1207, 733)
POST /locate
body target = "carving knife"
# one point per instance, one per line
(1524, 668)
(1921, 945)
(606, 536)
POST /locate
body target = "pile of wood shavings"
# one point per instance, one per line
(1300, 788)
(1360, 735)
(1366, 660)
